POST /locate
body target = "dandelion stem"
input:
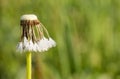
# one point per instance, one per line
(29, 65)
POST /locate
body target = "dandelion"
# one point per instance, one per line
(33, 39)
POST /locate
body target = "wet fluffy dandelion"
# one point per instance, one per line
(32, 35)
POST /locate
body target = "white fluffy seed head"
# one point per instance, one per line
(42, 45)
(28, 17)
(29, 44)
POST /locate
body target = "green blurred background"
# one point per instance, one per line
(87, 33)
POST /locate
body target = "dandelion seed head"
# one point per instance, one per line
(32, 37)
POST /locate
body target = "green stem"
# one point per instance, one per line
(29, 65)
